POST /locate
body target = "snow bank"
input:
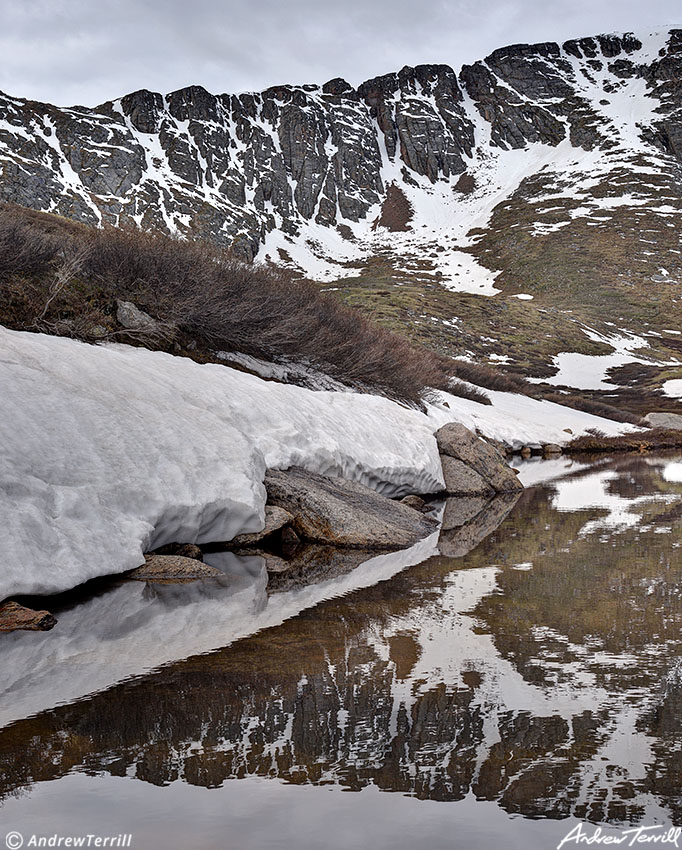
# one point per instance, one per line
(110, 451)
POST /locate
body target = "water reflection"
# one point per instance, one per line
(539, 670)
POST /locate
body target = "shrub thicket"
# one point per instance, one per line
(67, 280)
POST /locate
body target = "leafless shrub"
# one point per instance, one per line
(62, 277)
(495, 379)
(25, 251)
(491, 379)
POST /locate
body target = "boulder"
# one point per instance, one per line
(462, 480)
(132, 318)
(173, 569)
(14, 617)
(551, 449)
(275, 519)
(672, 421)
(456, 441)
(344, 513)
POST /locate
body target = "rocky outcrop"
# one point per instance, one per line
(172, 569)
(471, 466)
(15, 617)
(344, 513)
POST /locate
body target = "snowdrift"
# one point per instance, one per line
(110, 451)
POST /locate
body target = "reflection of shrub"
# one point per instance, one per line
(63, 278)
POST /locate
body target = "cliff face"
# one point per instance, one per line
(303, 161)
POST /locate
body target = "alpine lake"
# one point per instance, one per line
(523, 692)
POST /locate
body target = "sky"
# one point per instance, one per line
(86, 52)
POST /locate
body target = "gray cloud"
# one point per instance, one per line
(89, 51)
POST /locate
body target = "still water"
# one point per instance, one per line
(499, 695)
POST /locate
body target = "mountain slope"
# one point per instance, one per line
(546, 176)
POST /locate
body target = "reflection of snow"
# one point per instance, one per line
(592, 491)
(132, 629)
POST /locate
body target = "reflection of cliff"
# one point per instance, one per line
(536, 687)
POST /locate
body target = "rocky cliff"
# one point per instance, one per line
(314, 164)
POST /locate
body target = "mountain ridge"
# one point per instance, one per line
(290, 154)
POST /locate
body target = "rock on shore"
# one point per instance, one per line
(472, 467)
(344, 513)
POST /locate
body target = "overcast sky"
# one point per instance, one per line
(89, 51)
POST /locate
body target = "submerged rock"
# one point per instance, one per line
(275, 519)
(274, 565)
(456, 441)
(344, 513)
(15, 617)
(314, 563)
(172, 569)
(413, 501)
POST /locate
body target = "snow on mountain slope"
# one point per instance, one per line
(110, 451)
